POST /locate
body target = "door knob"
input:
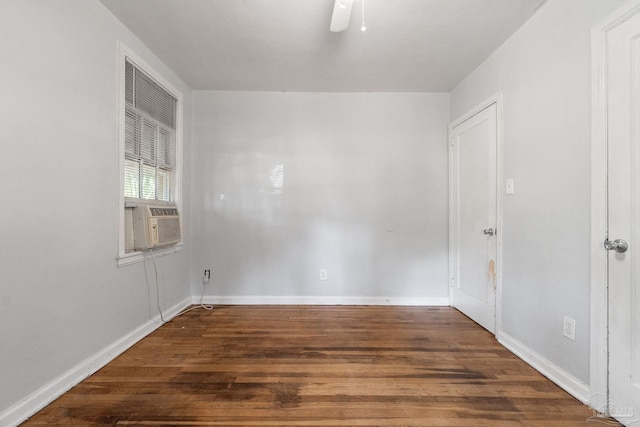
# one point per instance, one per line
(489, 231)
(617, 245)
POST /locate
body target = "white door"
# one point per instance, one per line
(473, 205)
(623, 145)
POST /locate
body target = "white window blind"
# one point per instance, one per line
(150, 137)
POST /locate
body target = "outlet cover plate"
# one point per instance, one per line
(569, 328)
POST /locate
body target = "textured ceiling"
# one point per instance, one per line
(286, 45)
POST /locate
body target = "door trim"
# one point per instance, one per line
(598, 381)
(497, 100)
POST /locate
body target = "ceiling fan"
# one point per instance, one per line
(342, 15)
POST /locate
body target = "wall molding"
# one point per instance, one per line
(46, 394)
(559, 376)
(319, 300)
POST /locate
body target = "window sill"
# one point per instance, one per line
(141, 256)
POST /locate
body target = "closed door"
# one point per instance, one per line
(473, 204)
(623, 169)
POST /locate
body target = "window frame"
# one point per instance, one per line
(123, 257)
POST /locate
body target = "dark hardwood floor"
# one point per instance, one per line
(317, 366)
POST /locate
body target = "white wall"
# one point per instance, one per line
(544, 71)
(364, 195)
(62, 298)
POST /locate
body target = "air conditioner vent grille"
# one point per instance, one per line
(164, 211)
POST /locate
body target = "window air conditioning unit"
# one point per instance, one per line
(155, 226)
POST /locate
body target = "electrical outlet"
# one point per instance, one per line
(206, 276)
(323, 274)
(569, 328)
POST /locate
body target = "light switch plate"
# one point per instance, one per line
(509, 186)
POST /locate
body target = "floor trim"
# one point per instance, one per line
(46, 394)
(320, 300)
(559, 376)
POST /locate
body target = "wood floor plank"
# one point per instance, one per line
(317, 366)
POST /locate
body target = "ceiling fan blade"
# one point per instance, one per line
(341, 15)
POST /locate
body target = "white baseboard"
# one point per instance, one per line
(46, 394)
(319, 300)
(562, 378)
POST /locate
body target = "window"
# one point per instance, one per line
(150, 147)
(150, 134)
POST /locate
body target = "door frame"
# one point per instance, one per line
(599, 351)
(453, 180)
